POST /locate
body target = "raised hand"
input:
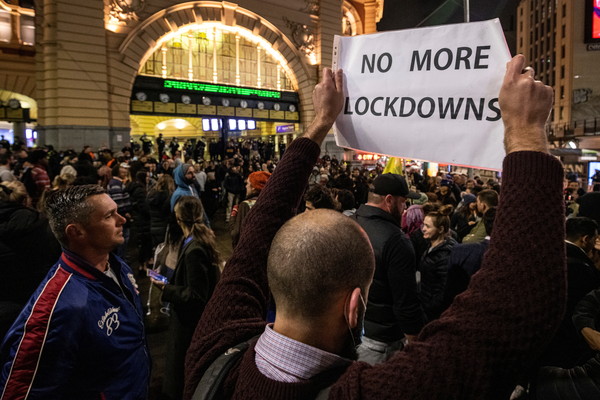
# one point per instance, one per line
(525, 104)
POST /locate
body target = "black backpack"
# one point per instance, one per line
(210, 385)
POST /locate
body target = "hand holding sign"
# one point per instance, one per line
(525, 105)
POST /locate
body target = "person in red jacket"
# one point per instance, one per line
(318, 267)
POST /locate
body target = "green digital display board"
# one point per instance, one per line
(207, 87)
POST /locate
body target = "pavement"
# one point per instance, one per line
(156, 322)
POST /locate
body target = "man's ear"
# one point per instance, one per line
(74, 232)
(388, 201)
(586, 240)
(353, 309)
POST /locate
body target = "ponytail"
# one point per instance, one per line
(191, 214)
(205, 235)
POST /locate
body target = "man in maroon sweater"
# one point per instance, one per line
(475, 350)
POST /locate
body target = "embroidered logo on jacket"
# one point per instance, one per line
(110, 320)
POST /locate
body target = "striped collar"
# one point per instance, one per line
(287, 360)
(79, 265)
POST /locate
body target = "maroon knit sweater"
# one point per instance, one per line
(476, 350)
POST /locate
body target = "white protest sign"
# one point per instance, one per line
(429, 93)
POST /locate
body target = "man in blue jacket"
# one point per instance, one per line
(81, 334)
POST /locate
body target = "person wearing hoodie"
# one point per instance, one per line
(185, 180)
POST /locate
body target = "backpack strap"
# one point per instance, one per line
(212, 380)
(209, 386)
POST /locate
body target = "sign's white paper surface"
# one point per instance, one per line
(428, 93)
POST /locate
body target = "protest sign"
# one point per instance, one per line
(428, 93)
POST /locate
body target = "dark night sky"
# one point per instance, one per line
(403, 14)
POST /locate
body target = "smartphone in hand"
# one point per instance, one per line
(156, 276)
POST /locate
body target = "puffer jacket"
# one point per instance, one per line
(433, 269)
(160, 210)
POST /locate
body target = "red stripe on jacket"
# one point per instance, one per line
(28, 354)
(73, 265)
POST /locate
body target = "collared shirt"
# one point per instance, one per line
(287, 360)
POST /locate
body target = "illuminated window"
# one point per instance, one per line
(233, 125)
(27, 29)
(190, 55)
(5, 29)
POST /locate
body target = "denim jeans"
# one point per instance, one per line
(374, 352)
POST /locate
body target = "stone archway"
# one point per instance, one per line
(143, 39)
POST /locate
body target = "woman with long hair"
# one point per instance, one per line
(433, 266)
(194, 280)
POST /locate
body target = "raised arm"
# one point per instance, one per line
(239, 304)
(492, 331)
(245, 272)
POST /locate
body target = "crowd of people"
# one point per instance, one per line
(410, 274)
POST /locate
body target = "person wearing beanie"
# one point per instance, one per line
(255, 183)
(445, 193)
(421, 200)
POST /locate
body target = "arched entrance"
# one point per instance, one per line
(202, 61)
(18, 114)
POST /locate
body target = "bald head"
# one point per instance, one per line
(314, 258)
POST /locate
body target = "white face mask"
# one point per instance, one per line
(357, 333)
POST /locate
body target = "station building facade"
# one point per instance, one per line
(561, 40)
(97, 73)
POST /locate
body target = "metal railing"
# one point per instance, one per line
(579, 128)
